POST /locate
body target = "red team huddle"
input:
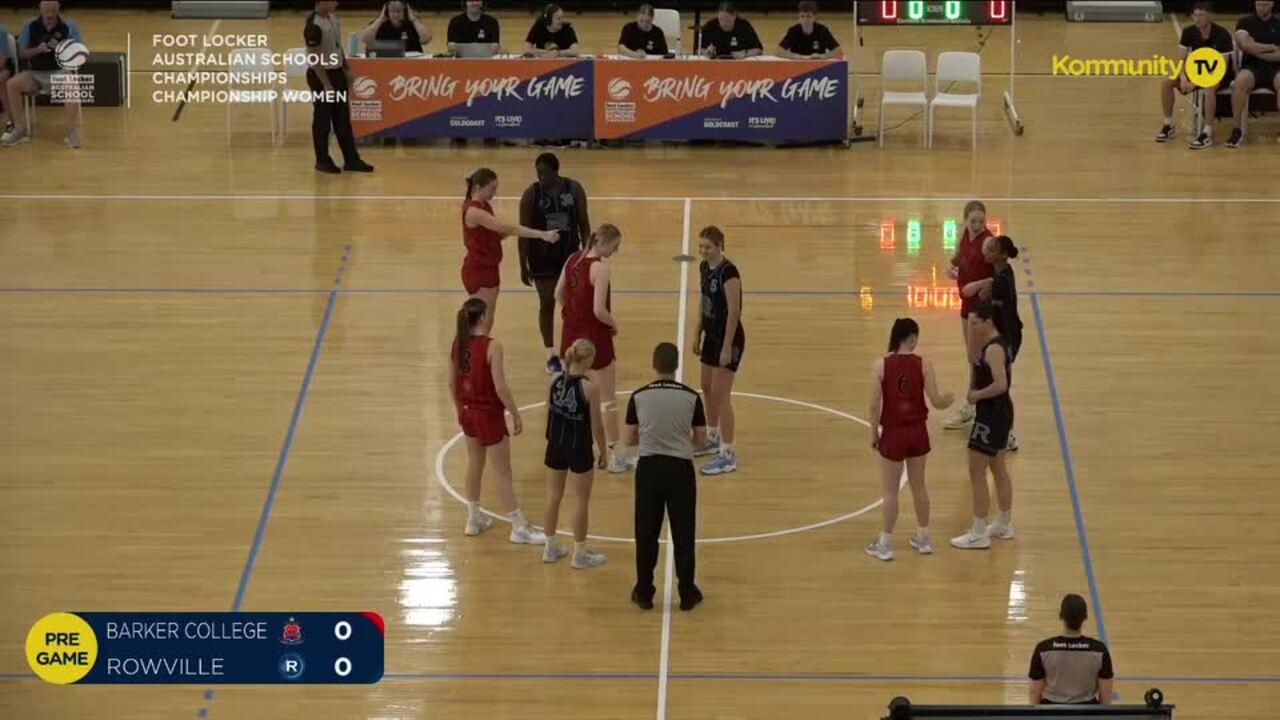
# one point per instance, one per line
(901, 379)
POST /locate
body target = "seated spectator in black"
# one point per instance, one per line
(1204, 32)
(36, 46)
(729, 36)
(1071, 669)
(809, 39)
(551, 36)
(474, 25)
(1258, 35)
(398, 21)
(641, 37)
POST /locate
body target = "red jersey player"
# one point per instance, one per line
(584, 293)
(482, 233)
(969, 265)
(480, 393)
(900, 382)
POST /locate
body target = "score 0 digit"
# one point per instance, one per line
(342, 667)
(342, 630)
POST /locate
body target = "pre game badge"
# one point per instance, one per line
(61, 648)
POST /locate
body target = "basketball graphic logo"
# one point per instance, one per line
(619, 89)
(72, 54)
(365, 87)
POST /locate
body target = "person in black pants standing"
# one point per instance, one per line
(665, 419)
(328, 75)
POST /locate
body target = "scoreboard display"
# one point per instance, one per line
(207, 648)
(935, 12)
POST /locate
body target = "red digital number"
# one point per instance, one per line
(888, 10)
(998, 9)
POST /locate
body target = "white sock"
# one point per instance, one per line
(517, 518)
(713, 435)
(922, 533)
(1208, 130)
(979, 525)
(578, 547)
(726, 450)
(1006, 517)
(473, 510)
(886, 539)
(1168, 121)
(551, 352)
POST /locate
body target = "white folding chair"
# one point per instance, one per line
(249, 60)
(903, 67)
(295, 66)
(669, 21)
(957, 67)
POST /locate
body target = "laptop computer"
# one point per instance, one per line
(476, 50)
(385, 49)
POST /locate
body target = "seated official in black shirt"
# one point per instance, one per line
(1258, 35)
(1203, 33)
(1071, 668)
(474, 25)
(729, 36)
(809, 39)
(398, 21)
(551, 36)
(642, 37)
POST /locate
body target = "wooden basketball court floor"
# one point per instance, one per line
(197, 417)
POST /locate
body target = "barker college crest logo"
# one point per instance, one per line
(292, 634)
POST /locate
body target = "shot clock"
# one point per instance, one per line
(935, 12)
(207, 648)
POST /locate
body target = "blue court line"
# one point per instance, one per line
(764, 677)
(1069, 466)
(879, 293)
(260, 533)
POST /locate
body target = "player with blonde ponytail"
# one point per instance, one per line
(584, 294)
(573, 420)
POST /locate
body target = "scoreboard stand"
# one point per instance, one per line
(938, 13)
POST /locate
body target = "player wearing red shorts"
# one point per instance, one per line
(900, 382)
(482, 234)
(480, 392)
(969, 265)
(584, 294)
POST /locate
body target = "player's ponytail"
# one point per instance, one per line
(903, 328)
(1006, 246)
(469, 315)
(580, 355)
(478, 179)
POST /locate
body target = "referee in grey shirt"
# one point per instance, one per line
(666, 421)
(1071, 668)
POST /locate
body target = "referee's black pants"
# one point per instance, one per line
(332, 114)
(665, 484)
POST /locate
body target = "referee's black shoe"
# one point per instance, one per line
(644, 603)
(358, 166)
(690, 599)
(329, 167)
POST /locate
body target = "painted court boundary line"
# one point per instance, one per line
(282, 460)
(665, 198)
(1064, 445)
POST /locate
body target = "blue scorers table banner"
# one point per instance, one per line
(207, 648)
(761, 100)
(537, 99)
